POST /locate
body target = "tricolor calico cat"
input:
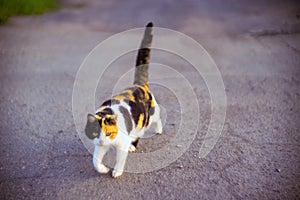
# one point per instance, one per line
(123, 119)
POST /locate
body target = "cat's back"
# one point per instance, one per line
(135, 94)
(134, 103)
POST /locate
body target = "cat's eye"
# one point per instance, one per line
(107, 121)
(108, 134)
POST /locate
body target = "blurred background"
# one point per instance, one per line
(255, 45)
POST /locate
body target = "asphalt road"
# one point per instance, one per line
(256, 47)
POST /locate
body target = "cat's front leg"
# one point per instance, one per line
(120, 163)
(99, 153)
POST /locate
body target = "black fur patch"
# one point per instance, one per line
(146, 116)
(150, 24)
(110, 102)
(105, 111)
(139, 94)
(141, 105)
(136, 109)
(150, 96)
(143, 56)
(127, 118)
(135, 143)
(151, 111)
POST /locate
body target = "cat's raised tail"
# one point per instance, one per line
(143, 57)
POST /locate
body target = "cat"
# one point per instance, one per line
(123, 119)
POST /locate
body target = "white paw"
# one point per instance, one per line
(116, 174)
(132, 148)
(102, 168)
(158, 131)
(158, 128)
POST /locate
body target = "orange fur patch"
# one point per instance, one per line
(140, 122)
(125, 94)
(110, 130)
(97, 117)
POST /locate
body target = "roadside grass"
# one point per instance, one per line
(25, 7)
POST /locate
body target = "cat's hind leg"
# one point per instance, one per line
(99, 153)
(158, 126)
(133, 146)
(155, 118)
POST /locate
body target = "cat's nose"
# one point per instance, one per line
(101, 142)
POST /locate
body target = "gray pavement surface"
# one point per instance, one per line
(256, 46)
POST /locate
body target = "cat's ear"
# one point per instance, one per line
(91, 118)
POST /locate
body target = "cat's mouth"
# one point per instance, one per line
(98, 141)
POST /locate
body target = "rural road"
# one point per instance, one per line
(256, 46)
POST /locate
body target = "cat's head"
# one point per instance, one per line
(101, 127)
